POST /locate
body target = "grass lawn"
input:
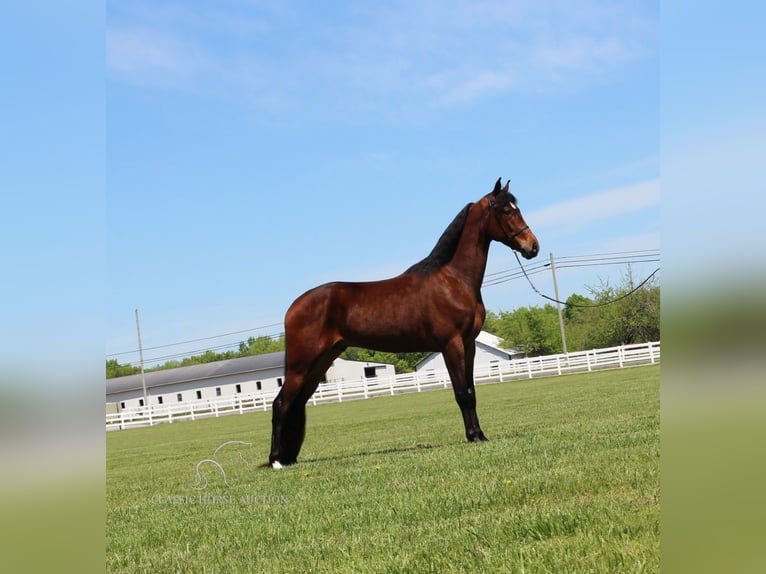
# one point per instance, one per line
(569, 482)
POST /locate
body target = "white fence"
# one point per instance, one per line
(527, 368)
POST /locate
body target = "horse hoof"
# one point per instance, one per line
(276, 465)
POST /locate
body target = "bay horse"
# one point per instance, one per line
(435, 305)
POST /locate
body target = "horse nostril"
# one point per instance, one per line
(535, 247)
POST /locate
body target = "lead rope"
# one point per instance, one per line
(536, 290)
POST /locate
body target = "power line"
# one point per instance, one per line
(540, 266)
(608, 263)
(195, 340)
(617, 253)
(573, 261)
(620, 255)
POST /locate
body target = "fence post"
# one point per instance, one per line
(651, 352)
(620, 352)
(529, 367)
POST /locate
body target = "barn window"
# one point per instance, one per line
(258, 385)
(369, 373)
(122, 405)
(179, 397)
(238, 388)
(140, 402)
(159, 400)
(199, 394)
(218, 391)
(279, 382)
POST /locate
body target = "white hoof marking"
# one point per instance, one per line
(276, 465)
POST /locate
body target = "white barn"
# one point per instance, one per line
(245, 375)
(488, 353)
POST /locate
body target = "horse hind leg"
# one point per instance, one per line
(288, 419)
(289, 408)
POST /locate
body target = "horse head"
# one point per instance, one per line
(507, 225)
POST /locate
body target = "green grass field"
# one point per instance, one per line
(569, 482)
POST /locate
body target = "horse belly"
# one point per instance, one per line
(385, 317)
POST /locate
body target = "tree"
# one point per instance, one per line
(634, 318)
(115, 369)
(576, 308)
(261, 345)
(491, 322)
(531, 330)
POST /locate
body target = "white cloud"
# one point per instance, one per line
(588, 209)
(458, 88)
(415, 52)
(141, 55)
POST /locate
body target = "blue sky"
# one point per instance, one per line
(255, 150)
(52, 173)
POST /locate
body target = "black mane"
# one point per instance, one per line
(442, 253)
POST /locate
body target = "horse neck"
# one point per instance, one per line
(470, 259)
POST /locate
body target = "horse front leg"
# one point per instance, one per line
(459, 356)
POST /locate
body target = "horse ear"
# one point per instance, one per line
(507, 186)
(497, 189)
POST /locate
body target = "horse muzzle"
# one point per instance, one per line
(530, 251)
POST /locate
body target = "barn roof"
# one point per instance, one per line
(199, 372)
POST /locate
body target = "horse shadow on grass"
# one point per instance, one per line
(377, 452)
(497, 438)
(511, 434)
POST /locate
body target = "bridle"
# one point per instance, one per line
(495, 209)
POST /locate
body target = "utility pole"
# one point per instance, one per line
(558, 305)
(141, 356)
